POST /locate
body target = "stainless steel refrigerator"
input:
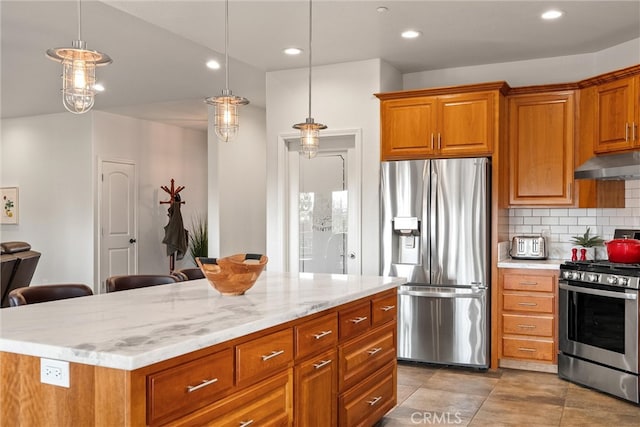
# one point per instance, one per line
(435, 228)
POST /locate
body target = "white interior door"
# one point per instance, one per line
(118, 249)
(324, 208)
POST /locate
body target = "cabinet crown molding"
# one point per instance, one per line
(502, 86)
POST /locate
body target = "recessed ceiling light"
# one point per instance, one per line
(292, 51)
(411, 34)
(382, 9)
(98, 87)
(213, 64)
(552, 14)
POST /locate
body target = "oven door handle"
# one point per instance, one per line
(598, 292)
(435, 294)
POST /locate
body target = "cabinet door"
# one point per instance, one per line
(465, 124)
(407, 128)
(615, 112)
(316, 389)
(541, 146)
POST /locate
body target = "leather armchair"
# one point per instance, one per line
(37, 294)
(23, 270)
(123, 283)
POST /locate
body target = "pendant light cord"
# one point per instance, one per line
(310, 34)
(226, 44)
(79, 20)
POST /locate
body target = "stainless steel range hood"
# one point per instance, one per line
(617, 166)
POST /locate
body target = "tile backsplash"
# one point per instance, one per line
(558, 225)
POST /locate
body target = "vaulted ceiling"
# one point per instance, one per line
(160, 47)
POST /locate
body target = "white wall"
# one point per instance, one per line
(560, 69)
(53, 159)
(161, 152)
(342, 98)
(562, 224)
(50, 159)
(237, 189)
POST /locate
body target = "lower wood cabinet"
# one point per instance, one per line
(316, 389)
(367, 402)
(332, 368)
(527, 320)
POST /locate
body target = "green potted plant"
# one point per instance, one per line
(198, 238)
(588, 242)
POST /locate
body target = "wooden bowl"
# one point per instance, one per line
(233, 275)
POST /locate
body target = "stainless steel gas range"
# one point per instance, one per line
(598, 326)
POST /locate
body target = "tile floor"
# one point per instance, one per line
(429, 395)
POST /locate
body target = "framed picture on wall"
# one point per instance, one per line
(9, 204)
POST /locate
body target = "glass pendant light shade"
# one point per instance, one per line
(226, 119)
(309, 137)
(309, 130)
(78, 73)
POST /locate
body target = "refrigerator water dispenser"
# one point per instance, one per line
(406, 240)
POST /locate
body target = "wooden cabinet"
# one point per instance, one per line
(442, 122)
(189, 386)
(367, 362)
(332, 368)
(541, 149)
(316, 388)
(527, 321)
(617, 109)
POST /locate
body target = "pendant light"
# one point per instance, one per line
(226, 105)
(78, 71)
(309, 130)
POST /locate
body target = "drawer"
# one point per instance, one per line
(527, 302)
(354, 321)
(384, 309)
(527, 325)
(363, 356)
(316, 335)
(522, 282)
(528, 349)
(262, 356)
(268, 403)
(366, 403)
(184, 388)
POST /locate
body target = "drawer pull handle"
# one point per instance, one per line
(322, 334)
(273, 354)
(358, 320)
(528, 304)
(388, 307)
(528, 283)
(527, 326)
(246, 423)
(374, 400)
(374, 351)
(321, 364)
(530, 350)
(192, 388)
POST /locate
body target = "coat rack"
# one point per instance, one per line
(174, 197)
(173, 192)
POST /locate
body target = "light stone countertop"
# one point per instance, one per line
(132, 329)
(544, 264)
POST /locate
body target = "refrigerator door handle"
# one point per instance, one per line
(434, 294)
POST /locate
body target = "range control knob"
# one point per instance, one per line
(575, 275)
(623, 281)
(613, 280)
(566, 274)
(593, 277)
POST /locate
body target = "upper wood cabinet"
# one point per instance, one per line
(442, 122)
(617, 108)
(541, 148)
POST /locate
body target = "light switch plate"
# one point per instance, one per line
(54, 372)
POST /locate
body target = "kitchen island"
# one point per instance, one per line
(294, 346)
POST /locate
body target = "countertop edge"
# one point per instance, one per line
(191, 344)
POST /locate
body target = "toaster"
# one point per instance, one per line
(529, 247)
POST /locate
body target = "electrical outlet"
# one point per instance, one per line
(54, 372)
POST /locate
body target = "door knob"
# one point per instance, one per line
(132, 240)
(352, 255)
